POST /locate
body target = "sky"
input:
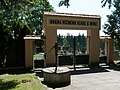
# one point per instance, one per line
(90, 7)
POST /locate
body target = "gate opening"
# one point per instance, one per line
(103, 56)
(72, 47)
(38, 54)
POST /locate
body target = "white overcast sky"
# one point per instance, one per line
(91, 7)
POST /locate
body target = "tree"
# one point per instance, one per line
(107, 1)
(66, 3)
(112, 27)
(60, 40)
(10, 36)
(81, 42)
(25, 11)
(29, 11)
(102, 44)
(10, 9)
(35, 12)
(5, 35)
(20, 30)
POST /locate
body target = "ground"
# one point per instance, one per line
(103, 77)
(19, 79)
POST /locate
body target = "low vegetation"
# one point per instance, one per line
(20, 82)
(38, 56)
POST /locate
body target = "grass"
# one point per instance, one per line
(20, 82)
(38, 56)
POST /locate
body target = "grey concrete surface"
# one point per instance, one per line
(95, 78)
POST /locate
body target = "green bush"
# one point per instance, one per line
(5, 35)
(20, 29)
(16, 49)
(10, 35)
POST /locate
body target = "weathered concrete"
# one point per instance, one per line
(60, 77)
(97, 78)
(54, 21)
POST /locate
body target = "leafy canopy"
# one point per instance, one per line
(66, 3)
(112, 27)
(26, 11)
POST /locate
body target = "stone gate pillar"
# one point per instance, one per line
(109, 50)
(51, 38)
(28, 54)
(93, 47)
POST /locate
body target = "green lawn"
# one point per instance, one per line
(38, 56)
(20, 82)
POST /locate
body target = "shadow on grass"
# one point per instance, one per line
(15, 70)
(8, 84)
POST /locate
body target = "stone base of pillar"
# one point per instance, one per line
(94, 64)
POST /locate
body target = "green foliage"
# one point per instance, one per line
(29, 11)
(112, 27)
(67, 42)
(4, 38)
(20, 30)
(66, 3)
(8, 35)
(105, 2)
(35, 12)
(81, 42)
(4, 32)
(20, 82)
(60, 39)
(102, 44)
(21, 17)
(10, 9)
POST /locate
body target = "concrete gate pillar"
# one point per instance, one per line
(93, 47)
(49, 43)
(109, 50)
(28, 54)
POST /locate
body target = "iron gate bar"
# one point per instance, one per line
(74, 55)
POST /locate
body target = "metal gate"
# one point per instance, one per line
(70, 52)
